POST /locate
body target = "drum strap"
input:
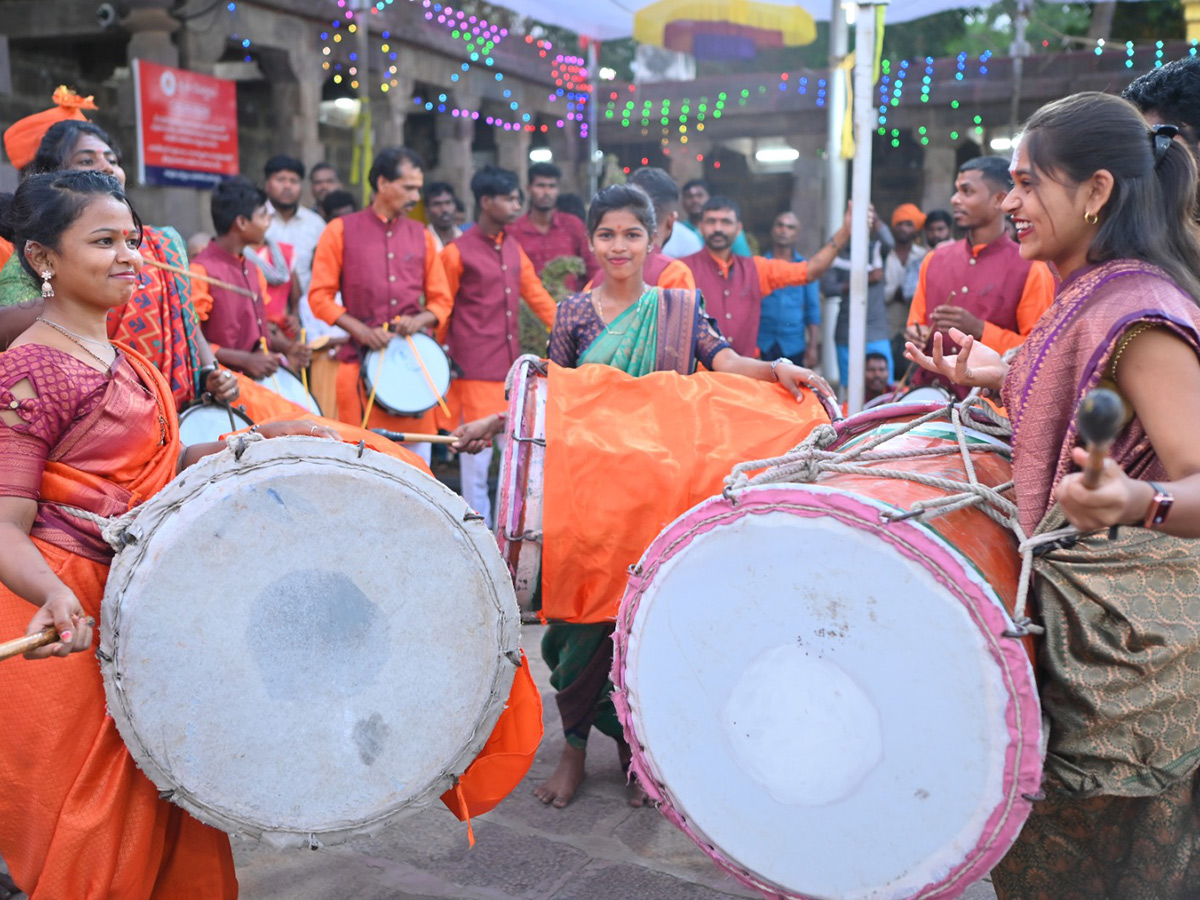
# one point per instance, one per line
(806, 462)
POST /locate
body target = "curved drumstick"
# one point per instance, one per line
(1098, 417)
(23, 645)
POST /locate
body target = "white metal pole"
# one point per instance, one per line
(593, 109)
(864, 83)
(835, 108)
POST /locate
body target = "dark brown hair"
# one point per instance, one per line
(1149, 214)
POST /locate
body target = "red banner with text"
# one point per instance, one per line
(186, 126)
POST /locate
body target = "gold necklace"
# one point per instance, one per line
(597, 305)
(79, 339)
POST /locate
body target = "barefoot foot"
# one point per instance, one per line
(559, 789)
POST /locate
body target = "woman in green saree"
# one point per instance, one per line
(638, 329)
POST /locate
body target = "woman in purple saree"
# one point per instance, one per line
(1110, 202)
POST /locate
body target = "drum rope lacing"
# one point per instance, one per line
(810, 459)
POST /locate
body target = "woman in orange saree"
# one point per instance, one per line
(84, 425)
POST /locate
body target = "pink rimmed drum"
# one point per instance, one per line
(522, 466)
(858, 723)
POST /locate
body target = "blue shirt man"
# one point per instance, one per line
(791, 317)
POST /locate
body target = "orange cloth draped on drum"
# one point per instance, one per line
(78, 820)
(352, 399)
(261, 403)
(625, 456)
(506, 757)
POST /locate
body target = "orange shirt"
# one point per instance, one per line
(1036, 297)
(327, 277)
(773, 274)
(532, 290)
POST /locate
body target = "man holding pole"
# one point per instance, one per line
(383, 263)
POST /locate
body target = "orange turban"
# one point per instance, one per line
(22, 139)
(908, 212)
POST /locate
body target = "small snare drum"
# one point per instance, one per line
(396, 377)
(288, 386)
(202, 423)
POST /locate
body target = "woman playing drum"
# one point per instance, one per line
(159, 320)
(87, 428)
(1107, 200)
(638, 329)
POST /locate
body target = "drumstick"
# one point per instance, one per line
(187, 273)
(23, 645)
(428, 378)
(405, 437)
(304, 371)
(262, 342)
(374, 386)
(1099, 417)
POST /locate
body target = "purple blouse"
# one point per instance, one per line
(577, 325)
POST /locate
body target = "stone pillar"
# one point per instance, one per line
(512, 151)
(939, 169)
(150, 26)
(455, 135)
(151, 29)
(398, 101)
(808, 190)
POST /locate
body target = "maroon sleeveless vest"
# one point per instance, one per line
(735, 302)
(988, 285)
(484, 333)
(383, 270)
(236, 321)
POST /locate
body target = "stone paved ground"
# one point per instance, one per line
(598, 848)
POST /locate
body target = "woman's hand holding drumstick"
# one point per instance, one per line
(1100, 495)
(69, 631)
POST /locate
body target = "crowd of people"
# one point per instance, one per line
(1077, 265)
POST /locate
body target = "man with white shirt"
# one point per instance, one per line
(292, 224)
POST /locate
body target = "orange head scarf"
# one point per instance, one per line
(23, 137)
(909, 212)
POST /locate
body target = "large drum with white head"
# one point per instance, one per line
(303, 640)
(829, 699)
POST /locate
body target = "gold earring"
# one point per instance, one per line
(47, 287)
(1091, 218)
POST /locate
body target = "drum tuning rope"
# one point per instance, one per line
(810, 459)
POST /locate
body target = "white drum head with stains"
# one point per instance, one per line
(303, 644)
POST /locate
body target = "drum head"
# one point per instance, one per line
(288, 386)
(873, 732)
(395, 375)
(203, 423)
(522, 473)
(304, 644)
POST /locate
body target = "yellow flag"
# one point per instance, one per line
(846, 71)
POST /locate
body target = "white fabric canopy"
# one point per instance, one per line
(612, 19)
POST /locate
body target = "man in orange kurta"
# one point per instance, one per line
(384, 264)
(489, 274)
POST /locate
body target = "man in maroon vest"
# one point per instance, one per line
(488, 274)
(733, 286)
(980, 284)
(235, 321)
(545, 233)
(383, 263)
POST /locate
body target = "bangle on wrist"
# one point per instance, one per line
(775, 366)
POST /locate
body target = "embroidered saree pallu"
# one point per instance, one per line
(304, 685)
(847, 665)
(599, 461)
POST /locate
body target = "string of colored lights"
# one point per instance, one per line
(621, 106)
